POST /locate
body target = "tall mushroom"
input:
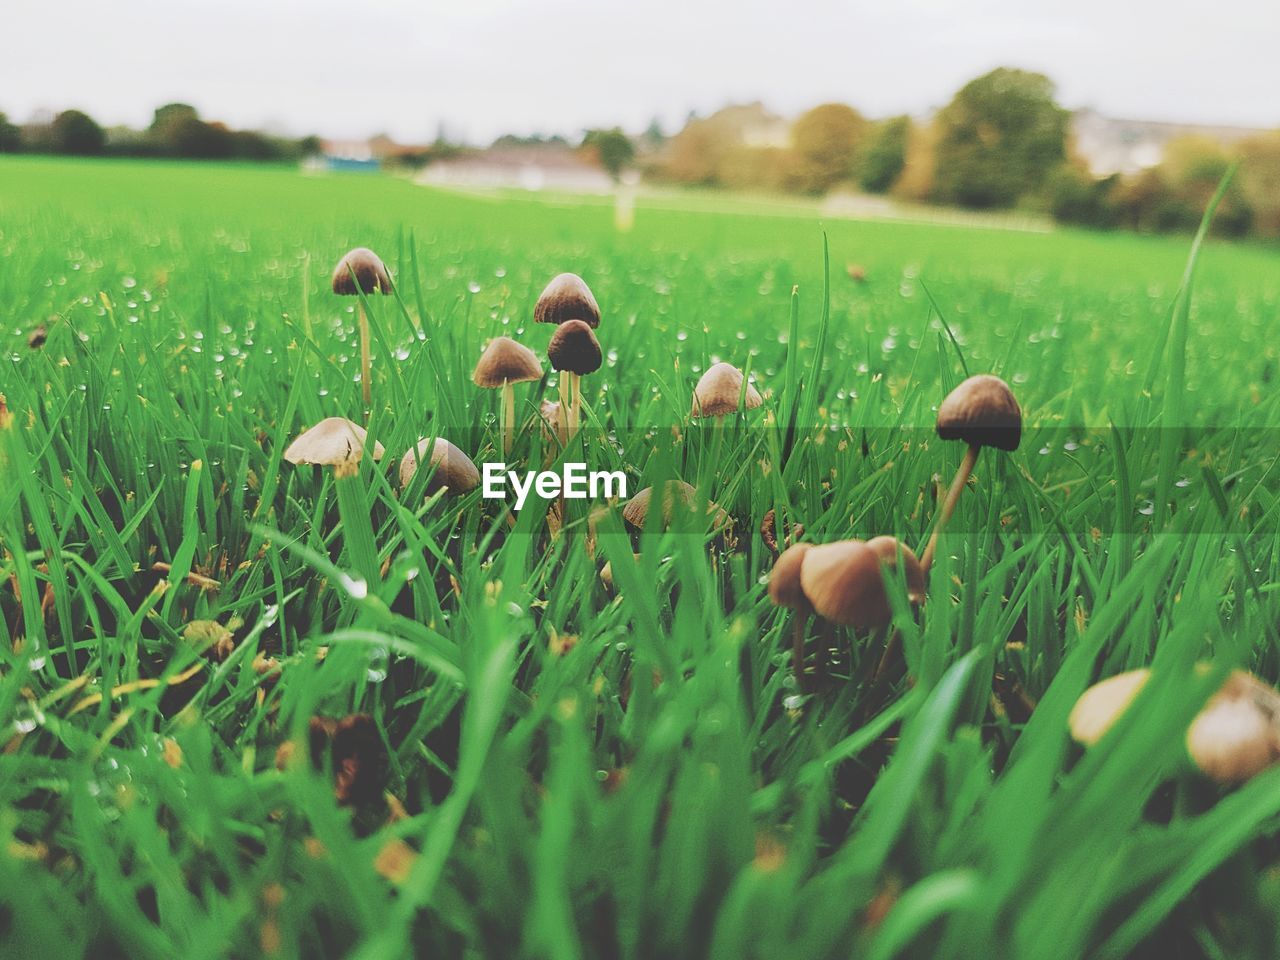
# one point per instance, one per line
(719, 391)
(983, 412)
(504, 363)
(455, 472)
(567, 297)
(574, 351)
(785, 591)
(362, 271)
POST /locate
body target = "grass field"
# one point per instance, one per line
(658, 785)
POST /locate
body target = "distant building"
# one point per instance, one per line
(1110, 145)
(367, 155)
(345, 155)
(550, 166)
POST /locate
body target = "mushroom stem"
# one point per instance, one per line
(890, 652)
(366, 386)
(508, 416)
(797, 650)
(949, 505)
(571, 390)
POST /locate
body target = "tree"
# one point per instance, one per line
(699, 152)
(193, 139)
(999, 139)
(1077, 197)
(885, 155)
(76, 132)
(826, 141)
(1259, 177)
(10, 136)
(1194, 167)
(612, 149)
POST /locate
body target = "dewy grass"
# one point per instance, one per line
(577, 770)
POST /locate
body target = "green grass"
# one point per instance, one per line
(662, 789)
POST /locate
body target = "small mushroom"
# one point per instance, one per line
(362, 271)
(567, 297)
(983, 412)
(845, 580)
(454, 471)
(676, 495)
(574, 351)
(785, 591)
(1237, 734)
(332, 441)
(1101, 705)
(719, 391)
(552, 422)
(503, 364)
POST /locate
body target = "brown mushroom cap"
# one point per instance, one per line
(330, 442)
(574, 348)
(719, 389)
(454, 468)
(888, 549)
(676, 495)
(1237, 734)
(505, 361)
(370, 273)
(845, 582)
(784, 580)
(983, 412)
(567, 297)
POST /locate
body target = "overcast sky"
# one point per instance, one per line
(484, 67)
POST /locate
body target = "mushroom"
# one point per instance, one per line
(574, 351)
(719, 391)
(454, 471)
(567, 297)
(552, 423)
(785, 591)
(504, 363)
(676, 494)
(362, 271)
(332, 441)
(983, 412)
(1235, 736)
(845, 580)
(1101, 705)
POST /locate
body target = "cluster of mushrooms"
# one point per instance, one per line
(574, 352)
(846, 582)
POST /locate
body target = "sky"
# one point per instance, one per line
(485, 67)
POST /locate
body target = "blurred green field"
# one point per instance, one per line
(663, 788)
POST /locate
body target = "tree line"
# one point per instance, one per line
(1003, 142)
(177, 130)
